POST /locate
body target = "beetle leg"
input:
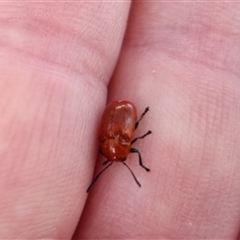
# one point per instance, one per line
(145, 111)
(135, 178)
(141, 137)
(98, 175)
(134, 150)
(105, 162)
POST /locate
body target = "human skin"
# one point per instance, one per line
(61, 62)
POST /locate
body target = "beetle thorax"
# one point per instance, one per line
(114, 150)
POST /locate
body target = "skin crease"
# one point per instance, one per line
(180, 59)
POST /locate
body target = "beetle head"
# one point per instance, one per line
(114, 150)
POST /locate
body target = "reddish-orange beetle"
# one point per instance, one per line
(118, 124)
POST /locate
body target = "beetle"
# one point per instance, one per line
(119, 121)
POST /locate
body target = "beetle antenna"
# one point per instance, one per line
(138, 183)
(96, 178)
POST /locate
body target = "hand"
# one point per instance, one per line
(180, 59)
